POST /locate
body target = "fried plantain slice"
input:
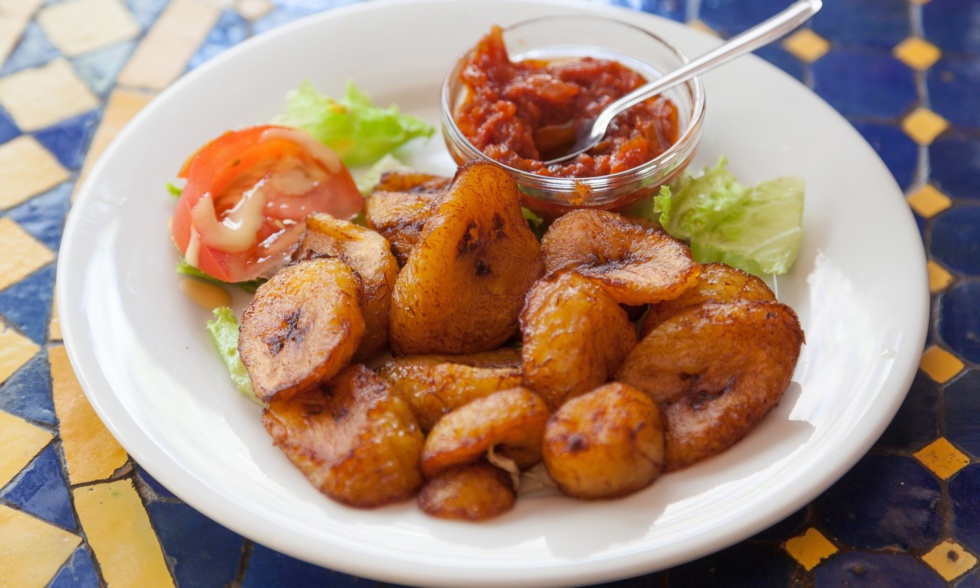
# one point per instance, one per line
(353, 439)
(575, 336)
(636, 264)
(368, 254)
(398, 207)
(301, 328)
(510, 421)
(605, 444)
(715, 370)
(717, 283)
(473, 492)
(433, 386)
(464, 284)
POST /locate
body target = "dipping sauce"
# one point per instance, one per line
(524, 113)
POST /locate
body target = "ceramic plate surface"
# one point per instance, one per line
(143, 357)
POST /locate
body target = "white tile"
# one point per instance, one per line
(40, 97)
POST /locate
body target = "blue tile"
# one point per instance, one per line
(865, 84)
(955, 239)
(899, 152)
(41, 489)
(953, 25)
(784, 60)
(964, 488)
(730, 17)
(962, 412)
(289, 10)
(954, 90)
(870, 23)
(201, 552)
(884, 502)
(146, 11)
(873, 570)
(230, 30)
(749, 564)
(971, 580)
(270, 568)
(638, 582)
(33, 50)
(28, 303)
(672, 9)
(78, 572)
(8, 130)
(916, 424)
(954, 159)
(100, 68)
(161, 492)
(44, 216)
(959, 321)
(27, 393)
(68, 140)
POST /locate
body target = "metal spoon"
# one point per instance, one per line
(590, 132)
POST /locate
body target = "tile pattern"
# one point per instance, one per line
(76, 511)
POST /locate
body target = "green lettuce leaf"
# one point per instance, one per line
(756, 229)
(367, 179)
(360, 132)
(224, 333)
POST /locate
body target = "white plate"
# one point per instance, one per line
(142, 355)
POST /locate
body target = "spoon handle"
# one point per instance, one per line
(760, 35)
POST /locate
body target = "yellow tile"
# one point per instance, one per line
(80, 26)
(91, 452)
(31, 254)
(924, 125)
(941, 365)
(942, 458)
(806, 45)
(21, 8)
(939, 278)
(15, 351)
(11, 29)
(26, 170)
(253, 9)
(120, 534)
(700, 25)
(927, 201)
(121, 107)
(31, 550)
(163, 54)
(21, 441)
(950, 560)
(917, 53)
(40, 97)
(810, 548)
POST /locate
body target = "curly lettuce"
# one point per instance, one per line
(224, 332)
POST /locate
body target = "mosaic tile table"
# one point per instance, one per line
(76, 511)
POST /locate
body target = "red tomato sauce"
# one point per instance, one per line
(509, 103)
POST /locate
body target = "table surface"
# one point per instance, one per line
(75, 510)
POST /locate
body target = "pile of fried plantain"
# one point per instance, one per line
(603, 352)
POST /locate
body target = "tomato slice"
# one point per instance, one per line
(240, 215)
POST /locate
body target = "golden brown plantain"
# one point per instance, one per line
(575, 336)
(473, 492)
(353, 439)
(715, 370)
(605, 444)
(510, 421)
(717, 283)
(398, 207)
(464, 284)
(433, 386)
(301, 328)
(636, 264)
(368, 254)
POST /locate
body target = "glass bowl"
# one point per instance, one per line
(566, 36)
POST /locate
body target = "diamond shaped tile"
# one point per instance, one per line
(40, 97)
(26, 170)
(15, 351)
(927, 201)
(942, 458)
(941, 365)
(924, 125)
(917, 53)
(21, 441)
(807, 45)
(31, 254)
(31, 550)
(80, 26)
(939, 278)
(950, 560)
(810, 548)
